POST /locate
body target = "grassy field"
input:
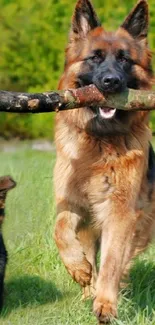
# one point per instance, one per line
(38, 289)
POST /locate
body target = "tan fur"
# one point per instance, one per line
(101, 185)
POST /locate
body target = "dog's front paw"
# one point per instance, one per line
(104, 310)
(81, 273)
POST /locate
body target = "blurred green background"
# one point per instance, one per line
(33, 35)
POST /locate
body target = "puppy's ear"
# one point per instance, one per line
(6, 183)
(84, 19)
(137, 21)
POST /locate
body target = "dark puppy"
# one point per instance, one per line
(6, 184)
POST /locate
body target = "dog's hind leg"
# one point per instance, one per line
(70, 248)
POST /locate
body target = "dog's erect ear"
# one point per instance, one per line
(137, 21)
(84, 19)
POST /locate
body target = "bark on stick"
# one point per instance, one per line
(129, 100)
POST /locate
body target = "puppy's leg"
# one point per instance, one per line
(70, 248)
(3, 261)
(88, 240)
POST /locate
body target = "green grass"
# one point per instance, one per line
(38, 289)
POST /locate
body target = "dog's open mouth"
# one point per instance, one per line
(106, 112)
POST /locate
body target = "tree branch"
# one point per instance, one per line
(74, 98)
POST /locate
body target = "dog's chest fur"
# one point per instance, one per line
(90, 170)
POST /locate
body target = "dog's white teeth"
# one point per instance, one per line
(106, 112)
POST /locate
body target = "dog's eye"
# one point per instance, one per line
(96, 58)
(121, 57)
(124, 59)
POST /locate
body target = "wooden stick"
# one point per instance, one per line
(74, 98)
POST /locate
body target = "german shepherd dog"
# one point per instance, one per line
(105, 167)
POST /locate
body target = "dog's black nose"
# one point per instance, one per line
(111, 82)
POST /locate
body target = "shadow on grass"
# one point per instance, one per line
(26, 291)
(141, 290)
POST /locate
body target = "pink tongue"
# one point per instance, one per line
(107, 112)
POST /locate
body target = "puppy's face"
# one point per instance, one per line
(110, 61)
